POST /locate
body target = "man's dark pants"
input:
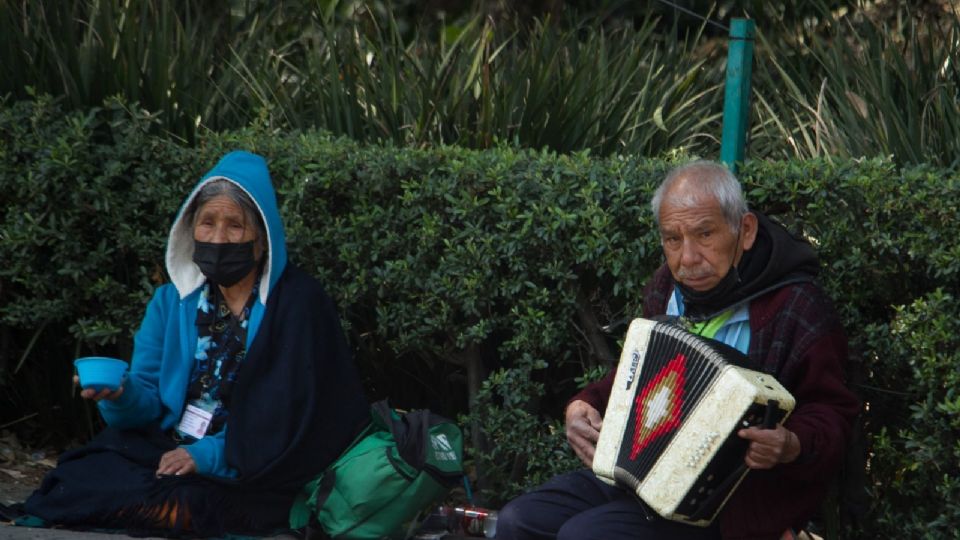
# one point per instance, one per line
(578, 506)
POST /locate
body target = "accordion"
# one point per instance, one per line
(670, 429)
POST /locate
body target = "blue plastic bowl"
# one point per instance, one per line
(99, 372)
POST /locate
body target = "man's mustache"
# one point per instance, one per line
(693, 273)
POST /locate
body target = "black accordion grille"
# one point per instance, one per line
(676, 372)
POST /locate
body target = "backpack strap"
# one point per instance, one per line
(322, 485)
(315, 532)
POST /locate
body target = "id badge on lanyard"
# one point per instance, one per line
(197, 417)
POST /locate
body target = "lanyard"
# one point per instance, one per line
(709, 328)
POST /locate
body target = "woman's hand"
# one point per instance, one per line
(583, 430)
(105, 393)
(177, 462)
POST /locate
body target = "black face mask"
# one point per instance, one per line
(700, 303)
(224, 264)
(712, 299)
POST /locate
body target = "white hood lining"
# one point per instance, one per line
(184, 273)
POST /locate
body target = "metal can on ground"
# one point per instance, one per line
(490, 525)
(472, 519)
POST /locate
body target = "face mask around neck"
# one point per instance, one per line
(224, 264)
(718, 296)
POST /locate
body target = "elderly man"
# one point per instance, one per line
(745, 281)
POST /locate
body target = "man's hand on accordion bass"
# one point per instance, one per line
(769, 447)
(583, 429)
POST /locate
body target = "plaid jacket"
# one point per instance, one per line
(796, 335)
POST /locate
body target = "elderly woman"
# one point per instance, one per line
(241, 386)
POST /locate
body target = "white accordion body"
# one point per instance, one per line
(670, 429)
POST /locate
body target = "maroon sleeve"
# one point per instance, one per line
(825, 412)
(597, 394)
(814, 373)
(769, 501)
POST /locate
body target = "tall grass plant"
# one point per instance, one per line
(485, 82)
(474, 83)
(861, 87)
(836, 82)
(159, 55)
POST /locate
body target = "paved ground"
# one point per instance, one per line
(28, 533)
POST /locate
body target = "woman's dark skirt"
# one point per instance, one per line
(111, 483)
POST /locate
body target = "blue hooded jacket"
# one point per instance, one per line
(312, 343)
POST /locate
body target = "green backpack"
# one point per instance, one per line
(397, 467)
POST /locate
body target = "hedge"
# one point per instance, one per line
(480, 283)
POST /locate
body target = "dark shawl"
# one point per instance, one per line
(298, 401)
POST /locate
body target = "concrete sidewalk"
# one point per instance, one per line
(30, 533)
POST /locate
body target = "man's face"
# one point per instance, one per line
(699, 244)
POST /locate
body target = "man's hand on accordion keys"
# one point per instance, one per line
(769, 447)
(583, 429)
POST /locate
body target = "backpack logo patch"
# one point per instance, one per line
(442, 449)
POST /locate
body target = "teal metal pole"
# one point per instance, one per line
(736, 99)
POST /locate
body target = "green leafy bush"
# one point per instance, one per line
(80, 241)
(476, 283)
(886, 250)
(918, 449)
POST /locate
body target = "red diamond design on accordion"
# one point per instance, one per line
(658, 405)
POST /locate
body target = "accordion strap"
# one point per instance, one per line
(716, 497)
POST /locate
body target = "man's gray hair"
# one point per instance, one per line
(711, 179)
(216, 188)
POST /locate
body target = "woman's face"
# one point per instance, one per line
(221, 220)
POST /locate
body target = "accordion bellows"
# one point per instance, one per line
(670, 429)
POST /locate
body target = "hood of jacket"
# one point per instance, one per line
(249, 172)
